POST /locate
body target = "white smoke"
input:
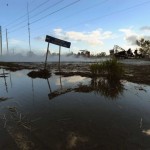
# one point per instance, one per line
(31, 57)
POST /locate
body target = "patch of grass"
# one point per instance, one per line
(40, 74)
(111, 68)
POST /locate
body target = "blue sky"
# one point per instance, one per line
(95, 25)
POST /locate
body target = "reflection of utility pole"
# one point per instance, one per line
(28, 26)
(49, 86)
(1, 38)
(5, 81)
(33, 91)
(10, 79)
(7, 41)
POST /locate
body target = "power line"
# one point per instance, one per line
(106, 15)
(26, 14)
(55, 11)
(76, 13)
(47, 15)
(112, 13)
(47, 8)
(38, 13)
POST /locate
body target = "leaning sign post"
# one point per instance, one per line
(58, 42)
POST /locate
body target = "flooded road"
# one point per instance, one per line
(72, 113)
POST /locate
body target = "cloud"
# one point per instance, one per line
(94, 37)
(132, 39)
(145, 28)
(130, 36)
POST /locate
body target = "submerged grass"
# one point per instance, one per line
(111, 68)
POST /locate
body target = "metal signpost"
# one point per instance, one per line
(56, 41)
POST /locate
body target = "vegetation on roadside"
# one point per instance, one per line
(111, 68)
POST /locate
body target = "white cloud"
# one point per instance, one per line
(75, 80)
(94, 37)
(130, 36)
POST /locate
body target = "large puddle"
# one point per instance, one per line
(72, 113)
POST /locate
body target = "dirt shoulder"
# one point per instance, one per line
(134, 73)
(137, 73)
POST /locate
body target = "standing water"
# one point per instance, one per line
(72, 113)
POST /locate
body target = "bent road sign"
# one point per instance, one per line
(56, 41)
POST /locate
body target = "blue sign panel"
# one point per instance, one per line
(56, 41)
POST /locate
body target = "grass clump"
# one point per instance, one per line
(111, 68)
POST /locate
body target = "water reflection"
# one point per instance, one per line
(78, 117)
(102, 86)
(59, 91)
(4, 75)
(108, 88)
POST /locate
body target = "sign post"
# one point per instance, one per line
(58, 42)
(46, 56)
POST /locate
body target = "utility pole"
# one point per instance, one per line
(1, 38)
(28, 26)
(7, 41)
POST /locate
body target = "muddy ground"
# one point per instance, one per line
(136, 73)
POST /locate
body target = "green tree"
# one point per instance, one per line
(144, 46)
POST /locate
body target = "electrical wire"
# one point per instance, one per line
(26, 14)
(112, 13)
(25, 20)
(62, 8)
(97, 18)
(55, 11)
(76, 13)
(106, 15)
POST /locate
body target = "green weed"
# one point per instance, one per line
(111, 68)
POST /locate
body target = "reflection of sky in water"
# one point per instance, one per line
(79, 119)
